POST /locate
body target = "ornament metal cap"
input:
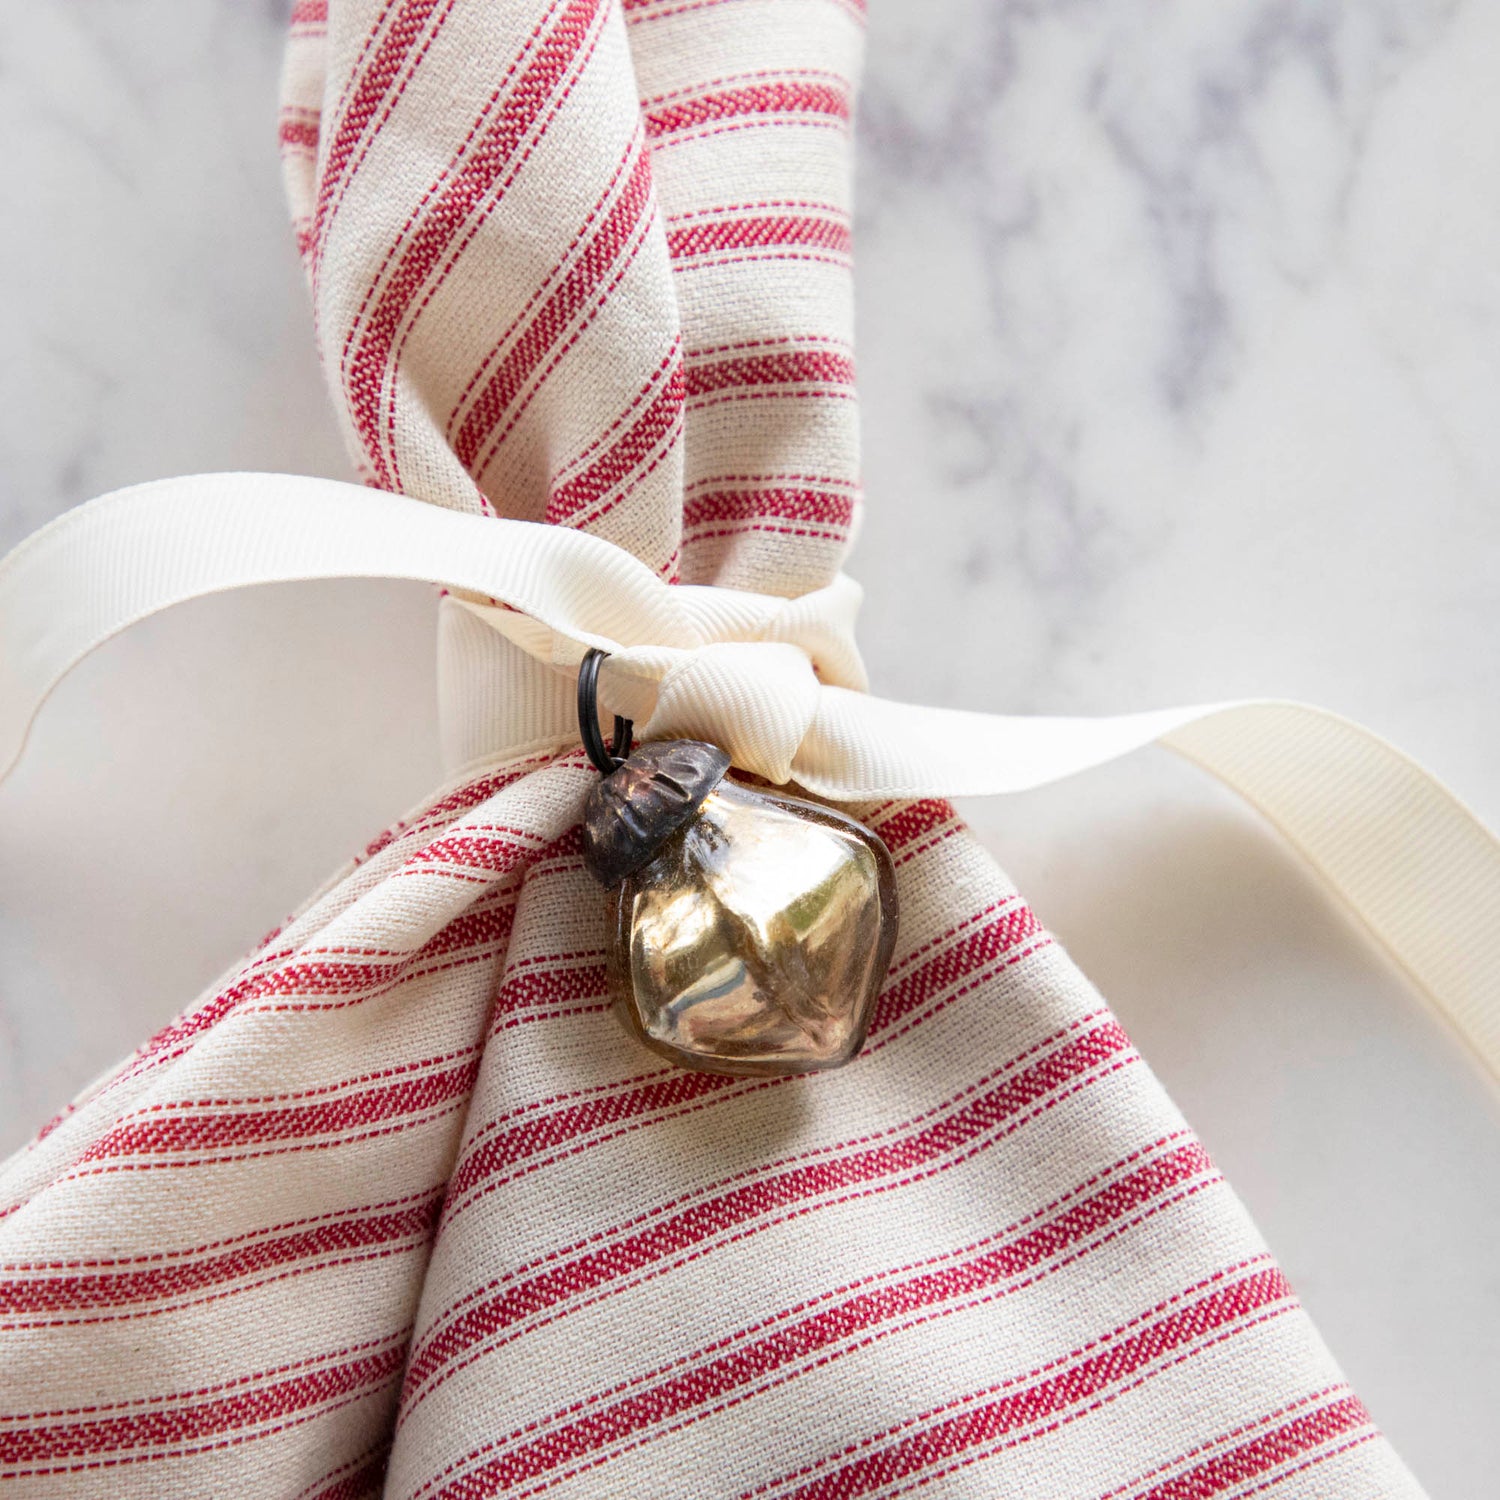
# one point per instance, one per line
(633, 811)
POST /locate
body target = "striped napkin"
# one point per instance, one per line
(397, 1207)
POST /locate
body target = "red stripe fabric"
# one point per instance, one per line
(397, 1207)
(1017, 1407)
(758, 103)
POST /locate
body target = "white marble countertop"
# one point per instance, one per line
(1179, 335)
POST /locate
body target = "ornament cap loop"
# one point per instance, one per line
(610, 759)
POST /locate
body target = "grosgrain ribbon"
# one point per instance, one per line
(777, 682)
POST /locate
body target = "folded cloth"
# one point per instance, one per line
(398, 1206)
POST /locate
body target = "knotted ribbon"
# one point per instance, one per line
(778, 682)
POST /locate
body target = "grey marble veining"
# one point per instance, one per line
(1194, 304)
(1178, 362)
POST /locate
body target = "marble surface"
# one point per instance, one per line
(1178, 334)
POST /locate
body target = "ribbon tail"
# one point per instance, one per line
(1407, 857)
(1411, 861)
(119, 559)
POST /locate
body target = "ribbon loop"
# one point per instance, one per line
(756, 699)
(821, 623)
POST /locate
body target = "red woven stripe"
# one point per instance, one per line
(370, 85)
(905, 1158)
(349, 1235)
(365, 1480)
(1250, 1460)
(497, 138)
(907, 824)
(182, 1424)
(320, 978)
(802, 367)
(299, 135)
(864, 1317)
(771, 232)
(545, 1131)
(322, 970)
(455, 803)
(654, 10)
(190, 1133)
(945, 1438)
(767, 100)
(313, 977)
(497, 851)
(580, 286)
(817, 506)
(996, 939)
(658, 425)
(310, 13)
(535, 991)
(487, 925)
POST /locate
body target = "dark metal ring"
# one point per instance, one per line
(609, 758)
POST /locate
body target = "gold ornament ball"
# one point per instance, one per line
(750, 932)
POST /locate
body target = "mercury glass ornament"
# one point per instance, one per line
(750, 932)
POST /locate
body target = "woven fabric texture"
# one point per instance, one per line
(398, 1207)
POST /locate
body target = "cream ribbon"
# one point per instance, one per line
(777, 682)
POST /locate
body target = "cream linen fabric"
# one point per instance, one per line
(397, 1206)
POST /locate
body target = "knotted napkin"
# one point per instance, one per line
(397, 1206)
